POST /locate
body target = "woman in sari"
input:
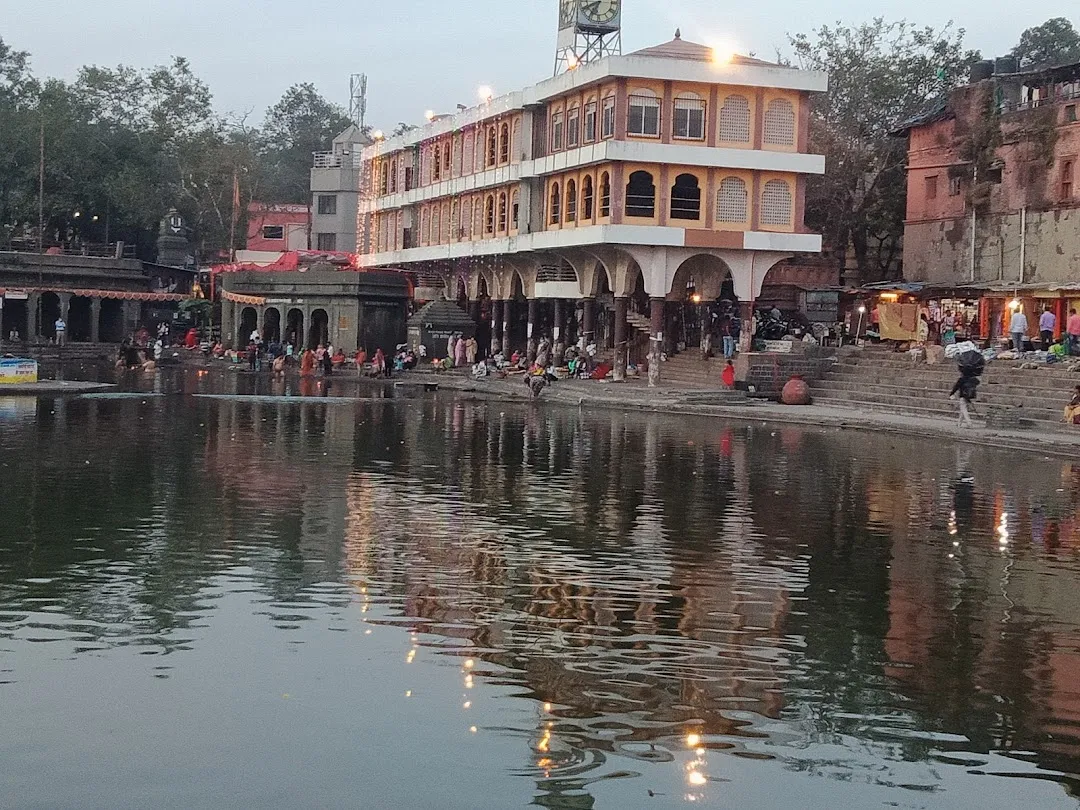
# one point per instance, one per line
(1072, 410)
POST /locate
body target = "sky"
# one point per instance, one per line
(426, 54)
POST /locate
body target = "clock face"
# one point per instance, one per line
(567, 10)
(600, 11)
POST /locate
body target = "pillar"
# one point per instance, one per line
(656, 339)
(65, 305)
(474, 311)
(508, 309)
(33, 304)
(558, 344)
(95, 320)
(618, 371)
(746, 326)
(228, 324)
(1060, 318)
(496, 326)
(588, 322)
(530, 333)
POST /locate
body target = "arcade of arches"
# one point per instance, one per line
(629, 303)
(93, 317)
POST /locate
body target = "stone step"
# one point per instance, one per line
(1021, 394)
(922, 405)
(1047, 384)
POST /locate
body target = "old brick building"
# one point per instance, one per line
(992, 195)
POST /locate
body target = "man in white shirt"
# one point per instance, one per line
(1018, 327)
(61, 330)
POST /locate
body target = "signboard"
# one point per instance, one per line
(16, 295)
(18, 370)
(781, 346)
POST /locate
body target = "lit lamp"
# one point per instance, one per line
(695, 298)
(378, 135)
(858, 329)
(429, 114)
(1014, 304)
(485, 93)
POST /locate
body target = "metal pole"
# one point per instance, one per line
(974, 183)
(41, 199)
(1023, 241)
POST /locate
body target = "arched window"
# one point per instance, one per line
(504, 143)
(425, 226)
(458, 140)
(556, 198)
(587, 197)
(492, 147)
(467, 157)
(514, 207)
(465, 223)
(446, 159)
(393, 176)
(435, 226)
(689, 121)
(489, 214)
(385, 182)
(502, 212)
(640, 195)
(779, 123)
(731, 201)
(447, 230)
(571, 201)
(643, 116)
(686, 198)
(556, 131)
(776, 203)
(436, 170)
(605, 195)
(735, 120)
(478, 212)
(515, 140)
(573, 127)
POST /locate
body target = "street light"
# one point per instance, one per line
(485, 93)
(858, 329)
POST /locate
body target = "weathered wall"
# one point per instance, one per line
(940, 251)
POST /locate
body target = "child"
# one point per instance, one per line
(728, 375)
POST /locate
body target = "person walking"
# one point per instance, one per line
(1072, 331)
(61, 330)
(1018, 326)
(964, 390)
(1047, 322)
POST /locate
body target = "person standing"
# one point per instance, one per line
(471, 347)
(1047, 322)
(61, 330)
(1072, 331)
(728, 330)
(327, 364)
(1018, 326)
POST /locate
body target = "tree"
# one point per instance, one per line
(880, 73)
(1055, 42)
(402, 128)
(301, 123)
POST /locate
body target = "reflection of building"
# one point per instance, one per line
(317, 304)
(667, 175)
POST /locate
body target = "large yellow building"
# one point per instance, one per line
(632, 180)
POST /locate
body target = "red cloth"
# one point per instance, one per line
(601, 371)
(728, 376)
(191, 338)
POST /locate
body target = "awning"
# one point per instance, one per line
(123, 295)
(237, 298)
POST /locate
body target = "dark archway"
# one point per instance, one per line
(294, 328)
(686, 198)
(111, 321)
(319, 331)
(16, 319)
(249, 322)
(271, 330)
(50, 311)
(79, 319)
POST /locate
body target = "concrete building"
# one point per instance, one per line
(276, 228)
(992, 172)
(626, 187)
(335, 192)
(322, 303)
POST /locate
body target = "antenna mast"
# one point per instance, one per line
(358, 98)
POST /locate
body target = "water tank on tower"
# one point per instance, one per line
(981, 70)
(1005, 65)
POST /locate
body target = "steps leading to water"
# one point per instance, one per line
(879, 380)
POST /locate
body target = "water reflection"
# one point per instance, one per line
(619, 609)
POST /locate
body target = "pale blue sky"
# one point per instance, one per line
(424, 54)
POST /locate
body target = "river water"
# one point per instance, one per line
(440, 603)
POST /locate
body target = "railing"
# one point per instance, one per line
(336, 160)
(96, 250)
(1057, 98)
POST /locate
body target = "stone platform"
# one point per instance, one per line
(52, 388)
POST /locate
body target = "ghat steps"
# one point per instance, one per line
(879, 380)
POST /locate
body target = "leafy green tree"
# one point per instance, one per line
(880, 73)
(301, 123)
(1055, 42)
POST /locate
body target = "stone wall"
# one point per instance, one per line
(767, 371)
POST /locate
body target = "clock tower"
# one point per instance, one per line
(588, 30)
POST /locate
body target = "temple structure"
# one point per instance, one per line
(604, 204)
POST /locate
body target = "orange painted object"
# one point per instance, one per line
(796, 392)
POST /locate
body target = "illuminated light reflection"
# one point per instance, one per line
(408, 693)
(693, 740)
(472, 729)
(468, 681)
(466, 704)
(469, 663)
(547, 707)
(696, 778)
